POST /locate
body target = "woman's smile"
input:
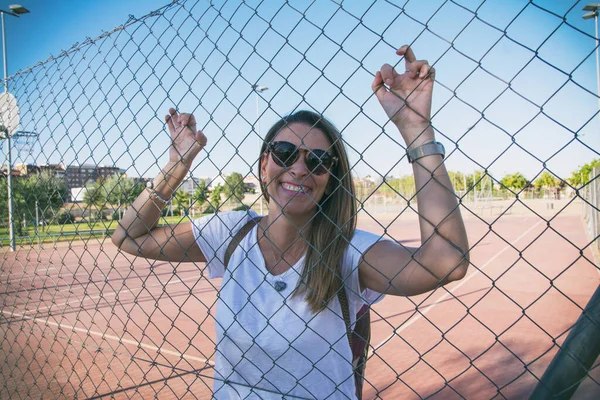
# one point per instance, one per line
(294, 189)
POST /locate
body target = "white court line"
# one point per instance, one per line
(26, 275)
(113, 293)
(424, 310)
(104, 336)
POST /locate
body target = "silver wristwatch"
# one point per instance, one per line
(425, 149)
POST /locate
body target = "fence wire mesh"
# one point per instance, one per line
(515, 104)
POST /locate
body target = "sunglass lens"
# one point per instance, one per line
(319, 161)
(285, 154)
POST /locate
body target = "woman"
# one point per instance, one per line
(278, 318)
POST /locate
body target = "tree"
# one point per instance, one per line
(181, 198)
(95, 195)
(581, 176)
(404, 185)
(364, 188)
(458, 180)
(48, 190)
(516, 181)
(215, 196)
(39, 195)
(120, 189)
(234, 187)
(547, 181)
(201, 194)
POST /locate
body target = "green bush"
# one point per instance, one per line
(97, 216)
(64, 217)
(242, 207)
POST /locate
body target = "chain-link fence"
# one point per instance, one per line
(515, 105)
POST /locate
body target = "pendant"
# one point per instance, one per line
(280, 285)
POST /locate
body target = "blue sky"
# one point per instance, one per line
(497, 105)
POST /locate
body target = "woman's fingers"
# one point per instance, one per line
(378, 87)
(170, 120)
(415, 68)
(188, 120)
(420, 69)
(388, 74)
(201, 138)
(407, 52)
(176, 121)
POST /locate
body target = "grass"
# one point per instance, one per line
(73, 232)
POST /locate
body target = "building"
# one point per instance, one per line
(21, 169)
(81, 175)
(216, 181)
(25, 169)
(57, 169)
(190, 185)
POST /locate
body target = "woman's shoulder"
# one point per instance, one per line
(230, 221)
(362, 240)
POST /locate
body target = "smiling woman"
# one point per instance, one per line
(295, 279)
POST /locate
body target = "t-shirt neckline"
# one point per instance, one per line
(263, 264)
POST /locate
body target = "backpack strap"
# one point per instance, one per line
(343, 299)
(358, 338)
(237, 238)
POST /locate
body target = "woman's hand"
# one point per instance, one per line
(406, 97)
(186, 142)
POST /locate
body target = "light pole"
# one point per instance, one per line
(15, 11)
(259, 89)
(592, 12)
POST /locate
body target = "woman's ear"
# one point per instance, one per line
(264, 159)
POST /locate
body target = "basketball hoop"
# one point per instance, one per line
(9, 115)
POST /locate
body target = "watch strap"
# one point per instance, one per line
(426, 149)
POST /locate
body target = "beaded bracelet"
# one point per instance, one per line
(154, 195)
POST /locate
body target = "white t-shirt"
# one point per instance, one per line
(270, 345)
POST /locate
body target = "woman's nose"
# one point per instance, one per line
(299, 168)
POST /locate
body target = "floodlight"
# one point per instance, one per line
(592, 7)
(18, 9)
(260, 88)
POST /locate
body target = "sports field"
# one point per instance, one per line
(82, 320)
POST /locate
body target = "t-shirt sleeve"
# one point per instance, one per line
(360, 243)
(213, 234)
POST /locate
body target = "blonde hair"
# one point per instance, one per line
(334, 222)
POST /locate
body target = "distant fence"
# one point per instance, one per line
(515, 88)
(591, 208)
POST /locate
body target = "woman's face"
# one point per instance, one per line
(296, 189)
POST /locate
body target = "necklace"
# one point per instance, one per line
(279, 284)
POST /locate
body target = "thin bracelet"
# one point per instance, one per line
(156, 196)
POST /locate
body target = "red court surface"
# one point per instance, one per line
(85, 321)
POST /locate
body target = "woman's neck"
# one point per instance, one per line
(283, 240)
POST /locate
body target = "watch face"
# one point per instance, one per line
(150, 184)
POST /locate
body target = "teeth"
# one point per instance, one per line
(292, 188)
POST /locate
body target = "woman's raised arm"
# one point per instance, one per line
(137, 233)
(443, 255)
